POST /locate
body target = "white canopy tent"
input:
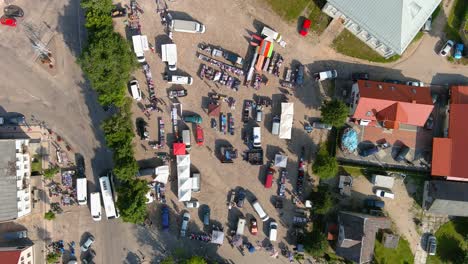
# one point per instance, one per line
(183, 178)
(281, 161)
(287, 115)
(162, 174)
(217, 237)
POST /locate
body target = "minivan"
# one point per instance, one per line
(258, 208)
(135, 89)
(240, 226)
(82, 191)
(196, 182)
(257, 137)
(275, 127)
(95, 200)
(177, 79)
(186, 139)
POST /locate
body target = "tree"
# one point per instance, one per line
(168, 260)
(316, 244)
(322, 200)
(51, 172)
(49, 215)
(53, 257)
(325, 166)
(196, 260)
(132, 200)
(334, 112)
(98, 15)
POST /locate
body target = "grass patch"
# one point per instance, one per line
(348, 44)
(353, 171)
(417, 37)
(402, 254)
(451, 242)
(36, 164)
(289, 10)
(457, 16)
(319, 19)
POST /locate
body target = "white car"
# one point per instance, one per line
(135, 90)
(87, 244)
(185, 220)
(192, 204)
(273, 231)
(447, 48)
(384, 193)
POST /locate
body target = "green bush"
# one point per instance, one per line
(132, 200)
(51, 172)
(196, 260)
(315, 243)
(322, 200)
(325, 166)
(52, 257)
(49, 215)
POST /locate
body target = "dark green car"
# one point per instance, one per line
(196, 119)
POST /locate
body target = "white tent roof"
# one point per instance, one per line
(217, 237)
(281, 161)
(183, 178)
(393, 22)
(162, 174)
(287, 115)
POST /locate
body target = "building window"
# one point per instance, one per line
(22, 258)
(29, 255)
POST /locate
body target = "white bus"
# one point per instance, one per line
(107, 197)
(95, 200)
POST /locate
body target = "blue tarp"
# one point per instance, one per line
(349, 141)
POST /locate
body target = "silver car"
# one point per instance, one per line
(447, 48)
(185, 220)
(320, 125)
(87, 244)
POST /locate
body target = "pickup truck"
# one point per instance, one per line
(325, 75)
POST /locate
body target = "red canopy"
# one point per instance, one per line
(179, 148)
(214, 109)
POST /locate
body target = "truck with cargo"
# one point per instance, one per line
(169, 55)
(187, 26)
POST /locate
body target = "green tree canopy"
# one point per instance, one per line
(325, 166)
(196, 260)
(51, 172)
(322, 200)
(98, 15)
(132, 200)
(316, 243)
(49, 215)
(53, 257)
(334, 112)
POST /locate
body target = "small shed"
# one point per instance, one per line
(345, 185)
(390, 240)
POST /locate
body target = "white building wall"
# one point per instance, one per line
(363, 35)
(26, 256)
(23, 174)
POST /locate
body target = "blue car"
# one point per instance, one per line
(458, 51)
(300, 75)
(165, 218)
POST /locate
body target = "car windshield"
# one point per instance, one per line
(382, 193)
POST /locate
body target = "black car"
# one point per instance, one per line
(240, 198)
(401, 155)
(372, 203)
(371, 150)
(359, 76)
(300, 75)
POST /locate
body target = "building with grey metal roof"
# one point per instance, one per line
(446, 198)
(388, 27)
(14, 179)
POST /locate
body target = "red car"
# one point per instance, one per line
(305, 27)
(200, 137)
(269, 178)
(253, 226)
(8, 21)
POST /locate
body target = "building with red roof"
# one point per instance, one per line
(388, 105)
(18, 251)
(448, 154)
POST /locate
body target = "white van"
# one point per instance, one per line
(275, 127)
(273, 231)
(82, 191)
(257, 137)
(177, 79)
(196, 182)
(187, 26)
(169, 55)
(135, 89)
(240, 226)
(258, 208)
(186, 139)
(95, 200)
(140, 44)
